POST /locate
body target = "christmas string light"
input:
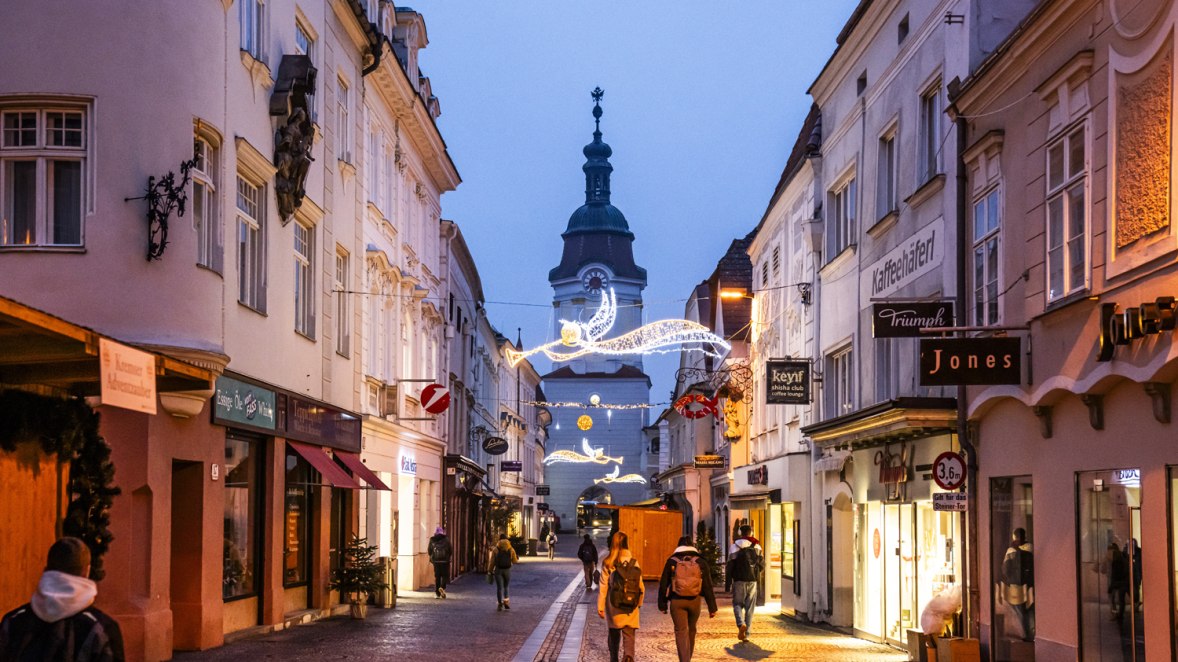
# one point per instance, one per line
(615, 478)
(579, 339)
(593, 455)
(590, 405)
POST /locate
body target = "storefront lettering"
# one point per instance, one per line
(905, 263)
(967, 361)
(893, 470)
(759, 476)
(239, 402)
(408, 465)
(1122, 327)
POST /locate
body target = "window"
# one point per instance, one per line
(902, 30)
(373, 166)
(342, 319)
(842, 219)
(304, 281)
(296, 552)
(342, 147)
(839, 382)
(765, 274)
(253, 31)
(886, 379)
(1113, 616)
(886, 186)
(209, 244)
(42, 175)
(239, 578)
(1012, 564)
(929, 143)
(251, 245)
(861, 84)
(304, 42)
(776, 260)
(1067, 215)
(986, 221)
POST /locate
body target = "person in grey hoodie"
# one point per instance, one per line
(59, 624)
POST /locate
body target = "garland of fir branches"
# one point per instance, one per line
(68, 428)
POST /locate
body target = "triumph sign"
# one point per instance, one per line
(905, 320)
(787, 382)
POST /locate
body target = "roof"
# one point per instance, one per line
(597, 217)
(734, 270)
(842, 37)
(625, 372)
(614, 250)
(807, 144)
(993, 58)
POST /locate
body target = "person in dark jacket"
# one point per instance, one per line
(685, 583)
(59, 622)
(746, 562)
(440, 553)
(587, 552)
(1118, 580)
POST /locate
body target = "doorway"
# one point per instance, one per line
(186, 572)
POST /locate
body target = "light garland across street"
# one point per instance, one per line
(588, 405)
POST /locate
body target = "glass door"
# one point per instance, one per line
(899, 571)
(1112, 618)
(870, 558)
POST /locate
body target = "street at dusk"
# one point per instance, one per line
(585, 332)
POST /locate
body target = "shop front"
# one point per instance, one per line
(464, 506)
(771, 499)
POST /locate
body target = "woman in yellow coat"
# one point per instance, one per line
(622, 621)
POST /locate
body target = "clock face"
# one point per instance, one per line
(595, 280)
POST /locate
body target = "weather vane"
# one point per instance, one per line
(597, 93)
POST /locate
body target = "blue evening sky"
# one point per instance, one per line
(703, 101)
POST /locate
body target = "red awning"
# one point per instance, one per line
(361, 470)
(332, 472)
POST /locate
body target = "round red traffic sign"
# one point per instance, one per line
(435, 398)
(949, 471)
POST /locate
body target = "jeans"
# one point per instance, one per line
(744, 600)
(441, 576)
(685, 614)
(624, 636)
(502, 579)
(589, 568)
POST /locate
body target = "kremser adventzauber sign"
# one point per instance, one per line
(905, 320)
(970, 361)
(788, 382)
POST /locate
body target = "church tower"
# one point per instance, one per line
(598, 256)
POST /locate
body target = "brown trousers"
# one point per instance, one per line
(685, 614)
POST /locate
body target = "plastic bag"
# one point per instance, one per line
(940, 610)
(490, 578)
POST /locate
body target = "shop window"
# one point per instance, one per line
(1012, 566)
(296, 553)
(1112, 615)
(239, 577)
(789, 555)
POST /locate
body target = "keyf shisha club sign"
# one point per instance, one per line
(787, 382)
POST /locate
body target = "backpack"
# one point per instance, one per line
(503, 558)
(552, 539)
(748, 565)
(625, 586)
(687, 577)
(438, 552)
(585, 553)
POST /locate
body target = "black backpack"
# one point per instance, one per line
(585, 553)
(748, 565)
(625, 586)
(503, 558)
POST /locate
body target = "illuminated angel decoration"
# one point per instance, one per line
(615, 478)
(579, 339)
(594, 455)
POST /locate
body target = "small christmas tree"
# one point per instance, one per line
(359, 575)
(705, 542)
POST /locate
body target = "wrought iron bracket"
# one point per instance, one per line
(164, 196)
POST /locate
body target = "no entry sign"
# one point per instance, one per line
(435, 399)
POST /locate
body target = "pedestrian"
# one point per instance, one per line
(1133, 556)
(544, 530)
(587, 552)
(551, 540)
(503, 556)
(619, 599)
(686, 582)
(746, 562)
(59, 623)
(440, 552)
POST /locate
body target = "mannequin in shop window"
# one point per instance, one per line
(1018, 576)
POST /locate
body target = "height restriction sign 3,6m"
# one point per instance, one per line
(949, 471)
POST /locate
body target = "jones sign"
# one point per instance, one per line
(966, 361)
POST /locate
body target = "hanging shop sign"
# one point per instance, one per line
(318, 423)
(542, 506)
(709, 461)
(956, 502)
(543, 490)
(511, 466)
(949, 471)
(238, 403)
(127, 376)
(893, 471)
(495, 445)
(969, 361)
(919, 255)
(435, 399)
(787, 382)
(696, 405)
(759, 476)
(1122, 327)
(905, 320)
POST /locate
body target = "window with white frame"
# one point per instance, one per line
(252, 14)
(842, 219)
(43, 161)
(342, 146)
(304, 279)
(389, 183)
(209, 243)
(886, 173)
(304, 42)
(839, 383)
(251, 244)
(929, 140)
(342, 319)
(1067, 215)
(373, 160)
(987, 221)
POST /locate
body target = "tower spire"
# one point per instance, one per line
(597, 166)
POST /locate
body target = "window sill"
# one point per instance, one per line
(1065, 302)
(884, 224)
(251, 308)
(259, 70)
(210, 270)
(926, 190)
(346, 169)
(346, 355)
(28, 248)
(304, 336)
(843, 256)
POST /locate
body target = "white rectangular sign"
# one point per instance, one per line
(913, 258)
(951, 501)
(127, 375)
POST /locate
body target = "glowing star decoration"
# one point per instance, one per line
(585, 422)
(615, 478)
(595, 399)
(579, 339)
(592, 455)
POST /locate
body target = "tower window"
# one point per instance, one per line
(902, 30)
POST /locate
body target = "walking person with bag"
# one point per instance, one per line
(685, 583)
(503, 556)
(440, 552)
(619, 599)
(551, 545)
(746, 562)
(587, 552)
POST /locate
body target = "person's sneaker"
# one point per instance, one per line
(443, 594)
(744, 633)
(507, 604)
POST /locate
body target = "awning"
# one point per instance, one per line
(331, 471)
(832, 462)
(361, 470)
(749, 500)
